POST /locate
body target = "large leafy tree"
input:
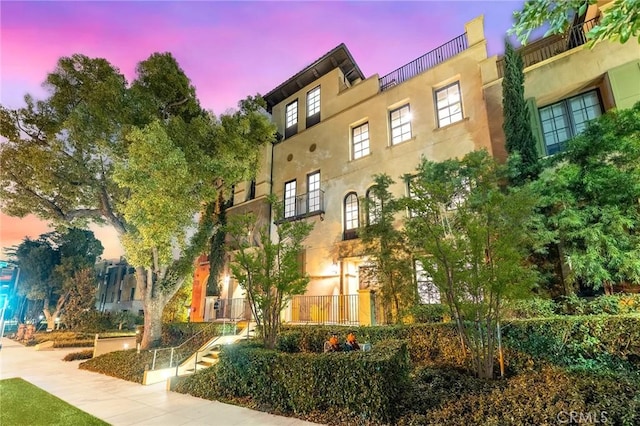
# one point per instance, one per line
(53, 266)
(79, 250)
(143, 157)
(386, 247)
(592, 195)
(37, 260)
(268, 269)
(519, 140)
(471, 237)
(620, 22)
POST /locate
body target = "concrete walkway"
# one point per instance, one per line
(119, 402)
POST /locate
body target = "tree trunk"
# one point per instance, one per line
(152, 335)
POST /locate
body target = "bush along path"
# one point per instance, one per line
(417, 375)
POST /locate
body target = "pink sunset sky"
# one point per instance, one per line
(228, 49)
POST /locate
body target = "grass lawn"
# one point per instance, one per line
(25, 404)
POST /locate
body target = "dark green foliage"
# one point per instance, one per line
(390, 262)
(126, 365)
(542, 398)
(621, 22)
(588, 364)
(530, 308)
(597, 343)
(74, 356)
(591, 196)
(129, 365)
(470, 235)
(520, 143)
(267, 267)
(424, 313)
(368, 385)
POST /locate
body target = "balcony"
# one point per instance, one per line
(338, 309)
(304, 205)
(551, 46)
(424, 62)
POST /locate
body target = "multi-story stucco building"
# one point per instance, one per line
(117, 288)
(340, 128)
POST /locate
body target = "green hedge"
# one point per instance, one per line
(545, 397)
(367, 385)
(618, 304)
(585, 343)
(427, 343)
(126, 365)
(580, 342)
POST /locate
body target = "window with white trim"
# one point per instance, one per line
(360, 140)
(290, 199)
(291, 119)
(449, 104)
(313, 101)
(427, 290)
(313, 191)
(351, 216)
(313, 106)
(566, 119)
(400, 123)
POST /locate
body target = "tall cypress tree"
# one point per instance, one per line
(517, 125)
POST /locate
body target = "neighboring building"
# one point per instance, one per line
(117, 288)
(566, 84)
(339, 128)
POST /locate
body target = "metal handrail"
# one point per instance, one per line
(428, 60)
(553, 45)
(174, 348)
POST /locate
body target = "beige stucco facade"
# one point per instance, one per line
(327, 147)
(348, 99)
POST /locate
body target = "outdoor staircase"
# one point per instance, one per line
(208, 353)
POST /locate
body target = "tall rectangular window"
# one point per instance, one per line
(427, 290)
(567, 118)
(400, 120)
(291, 119)
(313, 191)
(351, 216)
(290, 199)
(360, 140)
(313, 106)
(449, 104)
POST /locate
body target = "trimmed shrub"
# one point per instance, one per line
(76, 343)
(74, 356)
(604, 343)
(530, 308)
(127, 365)
(364, 385)
(427, 313)
(546, 397)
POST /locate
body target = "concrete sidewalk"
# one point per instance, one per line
(119, 402)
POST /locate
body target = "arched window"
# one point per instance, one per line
(351, 215)
(374, 207)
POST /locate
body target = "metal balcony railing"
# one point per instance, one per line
(424, 62)
(553, 45)
(304, 205)
(339, 309)
(233, 309)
